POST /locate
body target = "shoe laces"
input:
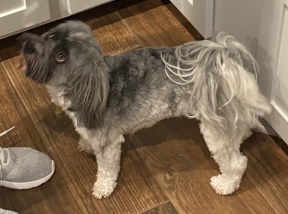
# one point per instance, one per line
(3, 133)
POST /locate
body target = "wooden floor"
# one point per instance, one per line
(165, 169)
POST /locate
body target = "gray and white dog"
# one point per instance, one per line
(109, 96)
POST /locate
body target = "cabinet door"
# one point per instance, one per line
(272, 59)
(17, 15)
(199, 13)
(240, 18)
(75, 6)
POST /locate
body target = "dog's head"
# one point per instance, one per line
(68, 56)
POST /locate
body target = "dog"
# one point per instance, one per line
(107, 97)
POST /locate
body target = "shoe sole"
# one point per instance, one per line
(28, 185)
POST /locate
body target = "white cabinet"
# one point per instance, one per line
(262, 25)
(273, 62)
(241, 18)
(75, 6)
(17, 15)
(199, 13)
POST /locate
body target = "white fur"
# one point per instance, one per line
(225, 151)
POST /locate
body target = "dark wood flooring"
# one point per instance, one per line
(165, 169)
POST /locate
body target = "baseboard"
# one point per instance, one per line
(265, 128)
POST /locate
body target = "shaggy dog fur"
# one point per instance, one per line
(109, 96)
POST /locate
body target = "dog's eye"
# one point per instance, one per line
(60, 57)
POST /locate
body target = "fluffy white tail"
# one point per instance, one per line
(223, 74)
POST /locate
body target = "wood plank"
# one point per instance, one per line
(13, 113)
(114, 38)
(162, 209)
(268, 175)
(176, 154)
(153, 29)
(109, 29)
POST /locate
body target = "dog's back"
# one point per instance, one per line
(213, 81)
(223, 74)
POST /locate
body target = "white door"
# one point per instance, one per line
(273, 61)
(18, 15)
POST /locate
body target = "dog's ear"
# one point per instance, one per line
(87, 89)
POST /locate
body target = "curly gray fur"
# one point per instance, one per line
(124, 88)
(109, 96)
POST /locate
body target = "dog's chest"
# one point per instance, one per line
(58, 98)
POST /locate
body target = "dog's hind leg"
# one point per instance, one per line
(225, 149)
(108, 162)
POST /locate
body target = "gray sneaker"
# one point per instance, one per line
(2, 211)
(24, 167)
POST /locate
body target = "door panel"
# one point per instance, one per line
(8, 7)
(272, 59)
(280, 84)
(17, 15)
(75, 6)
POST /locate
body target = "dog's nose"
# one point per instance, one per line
(29, 48)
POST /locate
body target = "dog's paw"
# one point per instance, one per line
(103, 189)
(224, 184)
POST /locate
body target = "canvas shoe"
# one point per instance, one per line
(24, 167)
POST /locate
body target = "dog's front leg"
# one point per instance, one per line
(85, 146)
(108, 161)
